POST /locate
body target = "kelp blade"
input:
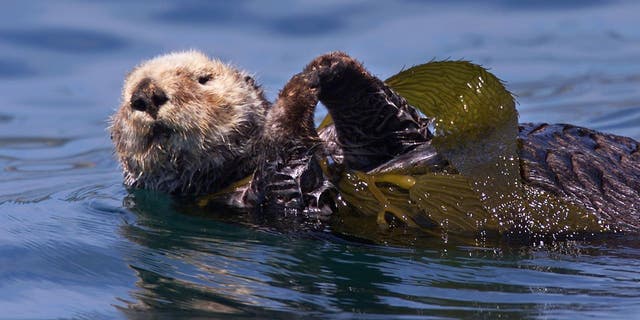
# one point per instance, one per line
(475, 119)
(436, 201)
(476, 127)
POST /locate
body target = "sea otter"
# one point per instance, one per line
(191, 125)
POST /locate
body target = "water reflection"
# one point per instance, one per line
(240, 270)
(198, 266)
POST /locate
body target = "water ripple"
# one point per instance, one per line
(238, 13)
(75, 244)
(15, 68)
(4, 118)
(32, 142)
(65, 39)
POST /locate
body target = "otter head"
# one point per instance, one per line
(187, 124)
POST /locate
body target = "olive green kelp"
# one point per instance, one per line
(475, 126)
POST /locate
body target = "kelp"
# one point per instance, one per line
(436, 202)
(475, 125)
(475, 120)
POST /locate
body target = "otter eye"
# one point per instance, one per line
(204, 79)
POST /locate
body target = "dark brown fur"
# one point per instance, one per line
(375, 129)
(373, 124)
(599, 171)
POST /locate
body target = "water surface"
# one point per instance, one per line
(75, 244)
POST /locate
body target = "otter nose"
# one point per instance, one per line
(148, 97)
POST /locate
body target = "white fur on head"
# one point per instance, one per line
(207, 129)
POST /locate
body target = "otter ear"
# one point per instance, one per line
(250, 81)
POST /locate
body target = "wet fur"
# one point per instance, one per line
(223, 133)
(372, 125)
(202, 138)
(599, 171)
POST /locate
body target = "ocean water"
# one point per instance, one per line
(75, 244)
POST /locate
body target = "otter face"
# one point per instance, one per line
(186, 123)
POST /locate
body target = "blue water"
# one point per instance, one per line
(75, 244)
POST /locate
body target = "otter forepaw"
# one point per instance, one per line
(333, 67)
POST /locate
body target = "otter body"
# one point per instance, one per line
(598, 171)
(191, 125)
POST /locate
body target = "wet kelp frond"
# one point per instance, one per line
(475, 126)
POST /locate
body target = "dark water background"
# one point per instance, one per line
(72, 244)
